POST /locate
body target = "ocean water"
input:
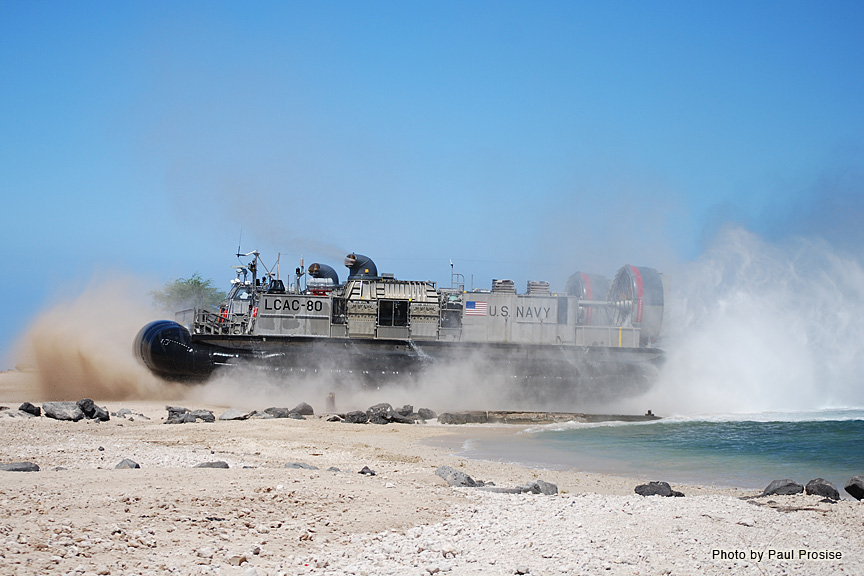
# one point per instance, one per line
(734, 450)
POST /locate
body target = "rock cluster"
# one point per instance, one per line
(68, 411)
(816, 487)
(181, 415)
(299, 412)
(384, 413)
(74, 411)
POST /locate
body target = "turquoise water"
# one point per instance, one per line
(742, 450)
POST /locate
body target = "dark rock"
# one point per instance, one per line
(357, 417)
(336, 418)
(19, 467)
(400, 419)
(126, 463)
(216, 464)
(30, 409)
(783, 487)
(821, 487)
(380, 407)
(540, 487)
(301, 465)
(333, 469)
(205, 415)
(426, 414)
(101, 414)
(296, 416)
(101, 448)
(92, 411)
(657, 489)
(455, 477)
(406, 410)
(234, 414)
(855, 487)
(63, 411)
(176, 410)
(303, 409)
(379, 411)
(367, 471)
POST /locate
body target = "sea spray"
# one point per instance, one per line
(753, 326)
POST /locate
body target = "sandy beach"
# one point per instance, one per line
(80, 515)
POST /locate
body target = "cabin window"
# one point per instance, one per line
(392, 313)
(562, 310)
(239, 292)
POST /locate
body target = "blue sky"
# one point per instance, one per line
(522, 140)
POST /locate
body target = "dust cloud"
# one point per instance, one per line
(82, 348)
(468, 384)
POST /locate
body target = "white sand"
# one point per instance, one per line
(170, 518)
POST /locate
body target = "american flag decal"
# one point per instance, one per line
(476, 308)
